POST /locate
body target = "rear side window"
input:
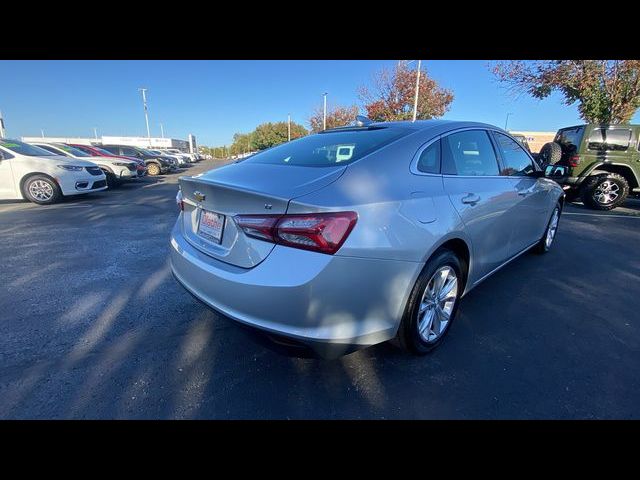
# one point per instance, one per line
(516, 161)
(329, 149)
(610, 139)
(569, 139)
(429, 161)
(469, 153)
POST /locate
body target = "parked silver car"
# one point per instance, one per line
(357, 235)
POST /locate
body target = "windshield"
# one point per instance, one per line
(102, 151)
(76, 152)
(329, 149)
(22, 148)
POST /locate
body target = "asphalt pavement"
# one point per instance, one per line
(94, 326)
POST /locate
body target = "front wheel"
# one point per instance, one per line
(153, 169)
(433, 304)
(42, 190)
(605, 192)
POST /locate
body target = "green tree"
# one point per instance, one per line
(337, 116)
(270, 134)
(606, 91)
(393, 95)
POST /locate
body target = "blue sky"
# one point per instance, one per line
(215, 99)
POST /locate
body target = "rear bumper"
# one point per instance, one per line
(332, 304)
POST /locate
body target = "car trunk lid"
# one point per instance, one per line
(243, 188)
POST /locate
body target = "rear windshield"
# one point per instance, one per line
(609, 139)
(569, 139)
(329, 149)
(26, 149)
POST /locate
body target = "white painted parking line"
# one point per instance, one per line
(600, 215)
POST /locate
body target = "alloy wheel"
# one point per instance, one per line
(607, 192)
(436, 305)
(41, 190)
(553, 228)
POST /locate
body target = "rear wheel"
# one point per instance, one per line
(544, 245)
(433, 304)
(42, 190)
(605, 191)
(153, 169)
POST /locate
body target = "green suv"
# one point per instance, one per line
(603, 161)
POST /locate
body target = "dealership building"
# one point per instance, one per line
(187, 146)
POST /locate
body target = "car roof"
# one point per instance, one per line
(444, 125)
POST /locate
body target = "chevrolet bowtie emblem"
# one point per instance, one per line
(199, 196)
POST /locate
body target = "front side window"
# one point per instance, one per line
(330, 148)
(609, 139)
(429, 161)
(469, 153)
(515, 160)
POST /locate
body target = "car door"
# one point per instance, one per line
(7, 182)
(532, 203)
(482, 197)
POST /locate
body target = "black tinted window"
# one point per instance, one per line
(429, 161)
(322, 149)
(569, 139)
(128, 151)
(469, 153)
(515, 160)
(609, 139)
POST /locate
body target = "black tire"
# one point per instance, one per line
(594, 188)
(408, 336)
(112, 180)
(550, 154)
(153, 169)
(543, 246)
(48, 185)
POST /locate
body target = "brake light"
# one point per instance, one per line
(320, 232)
(574, 161)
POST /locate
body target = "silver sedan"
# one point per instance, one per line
(362, 234)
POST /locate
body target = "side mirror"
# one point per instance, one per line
(559, 173)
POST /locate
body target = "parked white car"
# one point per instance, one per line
(181, 159)
(38, 175)
(117, 170)
(187, 156)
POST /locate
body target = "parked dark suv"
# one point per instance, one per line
(156, 164)
(603, 161)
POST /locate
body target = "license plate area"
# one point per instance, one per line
(211, 226)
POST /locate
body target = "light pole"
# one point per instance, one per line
(42, 132)
(146, 113)
(95, 133)
(162, 130)
(1, 126)
(506, 122)
(415, 100)
(288, 127)
(324, 112)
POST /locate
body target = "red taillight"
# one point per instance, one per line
(320, 232)
(574, 161)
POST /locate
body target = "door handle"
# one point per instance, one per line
(471, 199)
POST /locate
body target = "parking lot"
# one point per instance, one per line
(94, 326)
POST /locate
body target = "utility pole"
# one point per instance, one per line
(162, 130)
(289, 127)
(415, 100)
(506, 122)
(324, 114)
(1, 126)
(146, 113)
